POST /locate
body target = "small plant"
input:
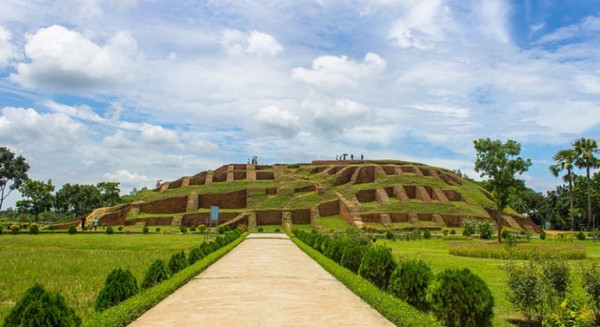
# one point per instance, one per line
(470, 227)
(34, 229)
(119, 285)
(14, 229)
(183, 230)
(453, 232)
(409, 282)
(466, 232)
(195, 255)
(109, 230)
(377, 266)
(445, 232)
(260, 229)
(427, 234)
(542, 235)
(390, 236)
(157, 272)
(505, 233)
(352, 256)
(145, 230)
(485, 229)
(416, 234)
(120, 228)
(177, 262)
(581, 236)
(40, 308)
(157, 229)
(277, 230)
(201, 228)
(192, 229)
(461, 298)
(590, 281)
(51, 227)
(72, 230)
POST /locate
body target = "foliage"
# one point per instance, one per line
(72, 230)
(109, 193)
(397, 311)
(120, 228)
(542, 235)
(453, 231)
(183, 230)
(564, 161)
(38, 197)
(157, 272)
(377, 266)
(500, 163)
(109, 230)
(13, 173)
(145, 230)
(352, 256)
(470, 227)
(581, 236)
(34, 229)
(584, 158)
(485, 229)
(177, 262)
(522, 252)
(78, 200)
(467, 232)
(223, 229)
(427, 234)
(14, 229)
(260, 229)
(461, 298)
(390, 236)
(590, 280)
(335, 250)
(119, 285)
(40, 308)
(409, 282)
(570, 313)
(195, 255)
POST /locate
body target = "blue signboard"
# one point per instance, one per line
(214, 213)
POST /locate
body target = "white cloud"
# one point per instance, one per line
(493, 19)
(157, 135)
(82, 111)
(273, 121)
(335, 116)
(588, 26)
(127, 178)
(421, 25)
(255, 42)
(202, 146)
(118, 141)
(61, 59)
(27, 126)
(7, 50)
(334, 71)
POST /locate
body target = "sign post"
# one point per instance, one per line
(214, 215)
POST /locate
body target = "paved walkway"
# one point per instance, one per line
(265, 281)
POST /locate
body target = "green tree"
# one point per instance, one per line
(38, 197)
(500, 162)
(110, 192)
(565, 160)
(585, 150)
(12, 169)
(78, 199)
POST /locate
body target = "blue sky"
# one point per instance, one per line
(139, 90)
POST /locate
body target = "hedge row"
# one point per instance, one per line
(394, 309)
(128, 310)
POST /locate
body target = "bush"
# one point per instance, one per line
(485, 229)
(427, 234)
(1, 229)
(192, 229)
(119, 285)
(72, 230)
(542, 235)
(34, 229)
(461, 298)
(466, 232)
(14, 229)
(334, 250)
(453, 232)
(157, 229)
(581, 236)
(224, 229)
(470, 226)
(277, 230)
(183, 230)
(505, 233)
(157, 272)
(109, 230)
(195, 255)
(145, 230)
(390, 236)
(377, 266)
(40, 308)
(445, 232)
(590, 281)
(416, 234)
(409, 282)
(177, 262)
(120, 228)
(352, 256)
(260, 229)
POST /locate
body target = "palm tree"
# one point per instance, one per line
(564, 161)
(585, 150)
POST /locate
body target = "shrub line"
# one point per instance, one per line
(395, 310)
(130, 309)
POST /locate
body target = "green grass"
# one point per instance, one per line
(435, 253)
(333, 222)
(77, 265)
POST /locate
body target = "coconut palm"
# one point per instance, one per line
(564, 161)
(585, 150)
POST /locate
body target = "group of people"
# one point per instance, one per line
(95, 223)
(343, 157)
(254, 160)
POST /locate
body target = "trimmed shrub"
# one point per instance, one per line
(145, 230)
(409, 282)
(192, 229)
(109, 230)
(260, 229)
(177, 262)
(470, 226)
(427, 234)
(157, 272)
(390, 236)
(41, 308)
(453, 231)
(377, 266)
(72, 230)
(14, 229)
(224, 229)
(277, 230)
(505, 233)
(195, 255)
(119, 285)
(485, 229)
(542, 235)
(334, 250)
(445, 232)
(352, 256)
(466, 232)
(157, 229)
(1, 229)
(461, 298)
(581, 236)
(120, 228)
(34, 229)
(51, 227)
(183, 230)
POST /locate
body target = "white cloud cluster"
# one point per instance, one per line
(274, 121)
(339, 71)
(7, 50)
(127, 178)
(62, 59)
(255, 42)
(335, 116)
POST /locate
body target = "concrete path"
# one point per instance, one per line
(265, 281)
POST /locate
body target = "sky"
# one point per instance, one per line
(134, 91)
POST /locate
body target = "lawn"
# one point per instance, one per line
(435, 253)
(77, 265)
